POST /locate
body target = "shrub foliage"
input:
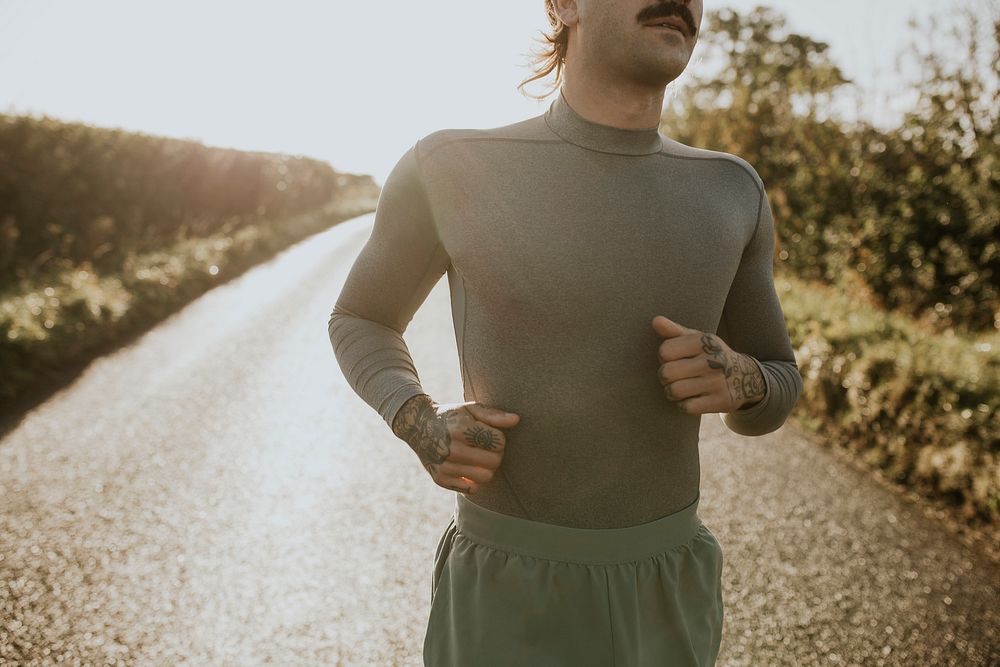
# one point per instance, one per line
(105, 232)
(72, 193)
(921, 408)
(913, 211)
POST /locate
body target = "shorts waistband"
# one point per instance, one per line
(576, 545)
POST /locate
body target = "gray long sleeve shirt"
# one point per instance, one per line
(562, 239)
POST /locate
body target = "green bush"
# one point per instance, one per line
(922, 407)
(914, 211)
(72, 193)
(66, 317)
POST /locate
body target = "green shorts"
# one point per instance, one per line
(510, 591)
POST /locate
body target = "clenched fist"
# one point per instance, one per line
(700, 372)
(460, 444)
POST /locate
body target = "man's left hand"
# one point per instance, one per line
(700, 372)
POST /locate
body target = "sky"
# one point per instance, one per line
(350, 83)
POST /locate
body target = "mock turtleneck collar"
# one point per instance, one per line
(574, 128)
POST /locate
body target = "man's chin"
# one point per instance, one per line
(675, 68)
(664, 73)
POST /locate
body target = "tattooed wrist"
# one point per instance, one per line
(744, 380)
(417, 423)
(751, 386)
(409, 413)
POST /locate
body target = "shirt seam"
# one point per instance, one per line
(421, 181)
(455, 140)
(746, 170)
(731, 160)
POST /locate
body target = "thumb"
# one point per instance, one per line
(493, 416)
(667, 328)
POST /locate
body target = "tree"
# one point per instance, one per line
(912, 213)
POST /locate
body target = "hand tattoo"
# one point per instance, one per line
(484, 438)
(743, 379)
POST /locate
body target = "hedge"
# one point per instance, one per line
(920, 407)
(61, 319)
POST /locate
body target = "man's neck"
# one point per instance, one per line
(618, 104)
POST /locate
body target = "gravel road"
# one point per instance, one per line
(216, 494)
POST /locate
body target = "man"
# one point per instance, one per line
(608, 287)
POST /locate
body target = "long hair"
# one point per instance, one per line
(552, 57)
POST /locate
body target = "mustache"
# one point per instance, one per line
(664, 9)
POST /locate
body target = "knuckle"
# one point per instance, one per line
(484, 436)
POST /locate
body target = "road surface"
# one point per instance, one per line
(216, 494)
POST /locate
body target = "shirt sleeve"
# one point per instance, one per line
(391, 277)
(753, 323)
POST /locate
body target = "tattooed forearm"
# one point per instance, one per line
(743, 378)
(417, 423)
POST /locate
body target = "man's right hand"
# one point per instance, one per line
(460, 444)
